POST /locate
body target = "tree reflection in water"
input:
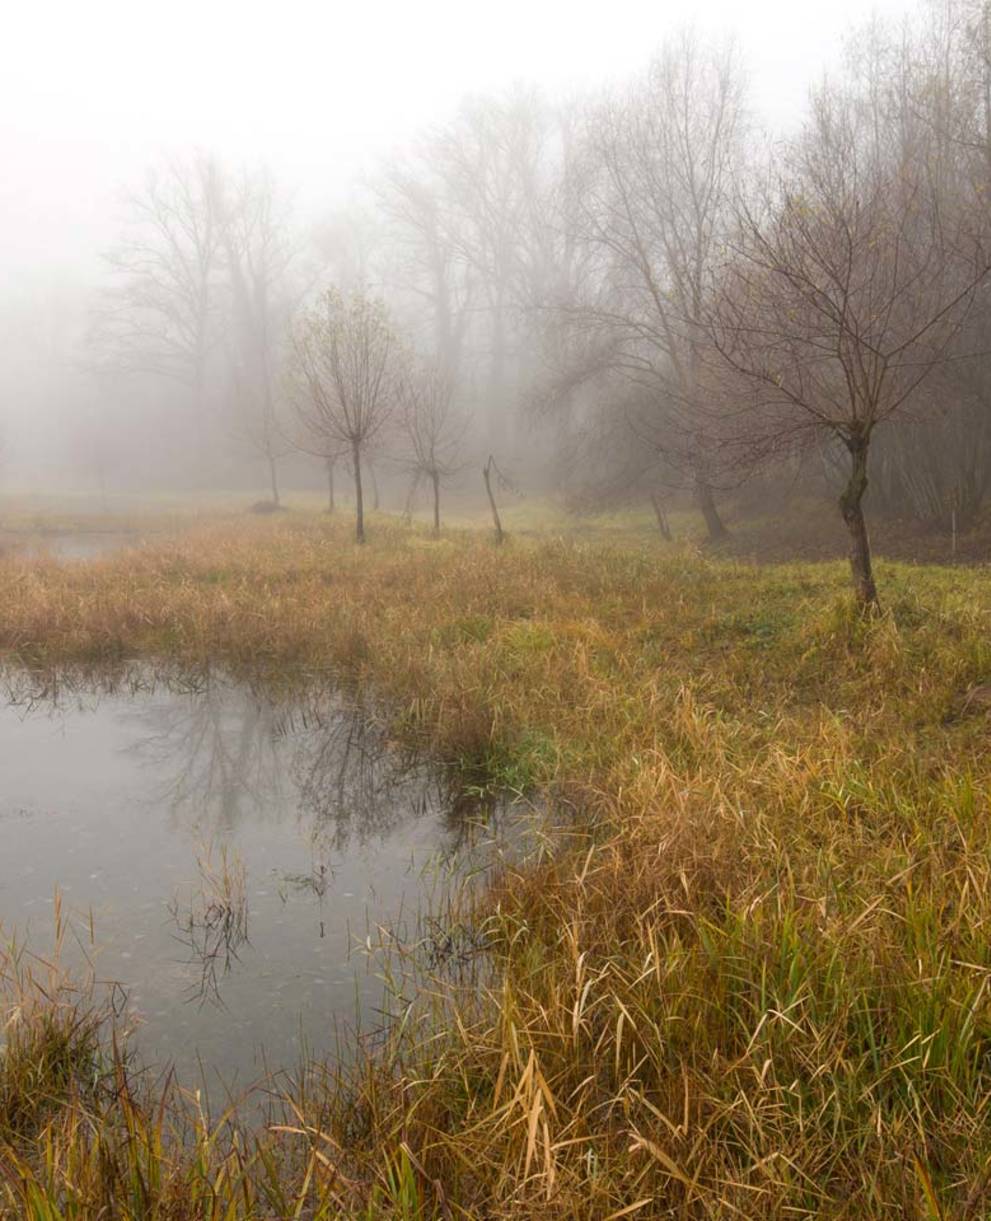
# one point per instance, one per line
(304, 792)
(230, 753)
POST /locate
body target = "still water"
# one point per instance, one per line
(71, 545)
(221, 856)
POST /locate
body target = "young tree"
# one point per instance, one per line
(488, 470)
(842, 297)
(434, 426)
(343, 374)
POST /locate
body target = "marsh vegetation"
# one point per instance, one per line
(749, 973)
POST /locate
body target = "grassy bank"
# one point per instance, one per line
(757, 980)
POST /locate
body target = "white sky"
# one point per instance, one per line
(92, 90)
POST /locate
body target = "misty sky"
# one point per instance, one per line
(90, 93)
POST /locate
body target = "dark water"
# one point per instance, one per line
(222, 857)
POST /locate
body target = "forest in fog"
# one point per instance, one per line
(630, 293)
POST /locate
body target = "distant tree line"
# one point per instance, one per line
(633, 293)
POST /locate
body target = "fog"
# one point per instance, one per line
(449, 769)
(321, 117)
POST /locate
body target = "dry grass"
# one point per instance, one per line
(756, 981)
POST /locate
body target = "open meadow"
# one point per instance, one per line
(749, 978)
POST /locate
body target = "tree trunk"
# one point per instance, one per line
(662, 521)
(359, 505)
(273, 479)
(198, 401)
(435, 479)
(487, 476)
(330, 485)
(410, 497)
(851, 506)
(497, 396)
(707, 504)
(101, 474)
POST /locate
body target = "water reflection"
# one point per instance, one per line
(226, 752)
(213, 756)
(69, 545)
(181, 817)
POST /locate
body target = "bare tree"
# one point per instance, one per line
(488, 470)
(930, 96)
(843, 296)
(329, 450)
(342, 377)
(466, 205)
(330, 466)
(162, 314)
(259, 253)
(434, 426)
(347, 247)
(426, 261)
(661, 165)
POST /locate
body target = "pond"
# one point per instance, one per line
(70, 545)
(219, 855)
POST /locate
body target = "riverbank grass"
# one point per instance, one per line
(753, 980)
